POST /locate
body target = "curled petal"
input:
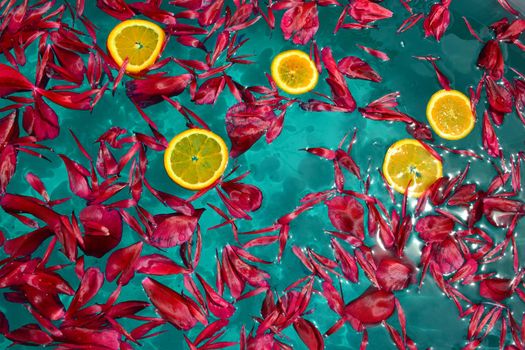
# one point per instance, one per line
(301, 22)
(356, 68)
(438, 19)
(7, 166)
(103, 229)
(122, 262)
(247, 197)
(174, 230)
(434, 228)
(149, 91)
(245, 125)
(366, 11)
(347, 215)
(491, 59)
(489, 137)
(448, 256)
(500, 99)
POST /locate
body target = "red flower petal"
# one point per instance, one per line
(434, 228)
(347, 215)
(175, 308)
(371, 307)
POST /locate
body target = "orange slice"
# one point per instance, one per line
(450, 115)
(294, 72)
(196, 158)
(407, 161)
(138, 40)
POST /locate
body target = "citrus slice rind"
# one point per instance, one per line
(138, 40)
(196, 158)
(408, 162)
(450, 115)
(294, 72)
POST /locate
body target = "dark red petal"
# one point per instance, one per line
(103, 229)
(347, 215)
(434, 228)
(156, 264)
(149, 91)
(497, 289)
(123, 262)
(12, 81)
(180, 311)
(371, 307)
(300, 21)
(245, 125)
(89, 286)
(29, 334)
(247, 197)
(309, 334)
(394, 274)
(356, 68)
(491, 59)
(365, 11)
(174, 230)
(448, 256)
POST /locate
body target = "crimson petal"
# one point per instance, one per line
(175, 308)
(371, 307)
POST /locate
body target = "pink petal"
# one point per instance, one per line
(247, 197)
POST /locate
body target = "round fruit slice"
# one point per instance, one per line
(138, 40)
(196, 158)
(407, 161)
(450, 115)
(294, 72)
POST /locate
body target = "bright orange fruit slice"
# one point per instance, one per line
(196, 158)
(450, 115)
(408, 162)
(294, 72)
(138, 40)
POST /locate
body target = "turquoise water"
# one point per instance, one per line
(285, 174)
